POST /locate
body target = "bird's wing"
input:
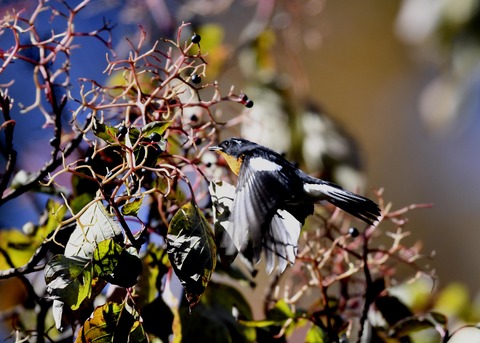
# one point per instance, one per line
(281, 240)
(257, 198)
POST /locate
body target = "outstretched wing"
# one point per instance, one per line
(259, 194)
(280, 240)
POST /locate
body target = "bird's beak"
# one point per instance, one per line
(215, 148)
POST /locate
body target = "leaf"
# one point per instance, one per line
(281, 310)
(104, 132)
(453, 300)
(315, 335)
(131, 208)
(155, 127)
(120, 266)
(17, 246)
(20, 246)
(158, 312)
(57, 312)
(217, 317)
(276, 319)
(128, 268)
(54, 213)
(262, 323)
(191, 250)
(93, 226)
(69, 279)
(112, 323)
(80, 201)
(222, 194)
(155, 265)
(105, 257)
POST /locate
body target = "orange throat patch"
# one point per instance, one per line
(233, 163)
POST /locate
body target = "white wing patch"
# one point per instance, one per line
(282, 241)
(261, 164)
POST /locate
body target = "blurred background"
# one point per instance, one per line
(399, 78)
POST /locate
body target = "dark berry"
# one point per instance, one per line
(122, 131)
(54, 141)
(244, 97)
(155, 137)
(197, 141)
(196, 38)
(208, 164)
(249, 104)
(194, 118)
(353, 232)
(196, 79)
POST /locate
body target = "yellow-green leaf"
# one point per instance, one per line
(315, 335)
(104, 132)
(105, 257)
(131, 208)
(155, 127)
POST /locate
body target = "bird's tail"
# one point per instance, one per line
(357, 205)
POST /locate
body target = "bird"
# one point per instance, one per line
(272, 200)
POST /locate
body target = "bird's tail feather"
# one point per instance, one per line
(357, 205)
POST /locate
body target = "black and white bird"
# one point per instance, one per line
(272, 200)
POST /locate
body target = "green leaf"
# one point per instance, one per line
(282, 310)
(121, 265)
(105, 257)
(54, 213)
(155, 265)
(315, 335)
(93, 226)
(158, 312)
(112, 323)
(104, 132)
(131, 208)
(192, 251)
(276, 319)
(155, 127)
(20, 246)
(128, 268)
(262, 323)
(69, 279)
(213, 319)
(80, 201)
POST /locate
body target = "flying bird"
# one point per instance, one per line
(272, 200)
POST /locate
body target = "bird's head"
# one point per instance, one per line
(233, 150)
(234, 147)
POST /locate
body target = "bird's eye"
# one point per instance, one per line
(226, 143)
